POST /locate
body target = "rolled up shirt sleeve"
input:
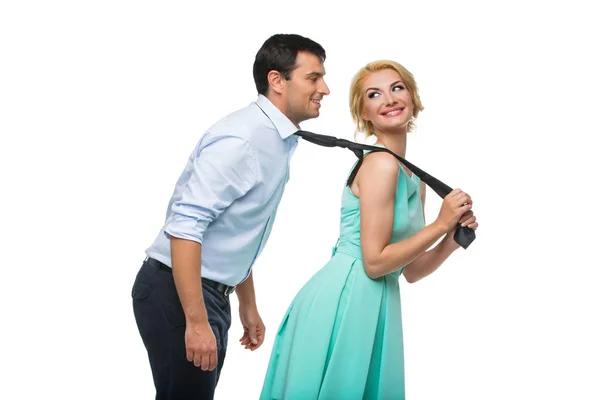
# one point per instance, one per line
(223, 170)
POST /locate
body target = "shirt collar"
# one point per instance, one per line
(284, 126)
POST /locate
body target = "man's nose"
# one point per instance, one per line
(323, 88)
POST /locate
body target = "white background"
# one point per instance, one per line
(101, 103)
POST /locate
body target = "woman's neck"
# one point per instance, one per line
(396, 142)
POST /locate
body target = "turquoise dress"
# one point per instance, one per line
(341, 338)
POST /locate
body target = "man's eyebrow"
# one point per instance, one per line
(315, 73)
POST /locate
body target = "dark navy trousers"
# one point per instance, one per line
(161, 323)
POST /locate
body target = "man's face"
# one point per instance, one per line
(305, 89)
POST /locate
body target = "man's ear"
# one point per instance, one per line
(276, 81)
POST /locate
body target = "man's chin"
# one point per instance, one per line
(310, 115)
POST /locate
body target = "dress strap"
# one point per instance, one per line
(334, 249)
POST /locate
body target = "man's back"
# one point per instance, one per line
(228, 193)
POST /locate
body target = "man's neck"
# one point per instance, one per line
(281, 106)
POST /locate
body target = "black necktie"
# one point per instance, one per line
(464, 236)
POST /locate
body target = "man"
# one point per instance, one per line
(218, 221)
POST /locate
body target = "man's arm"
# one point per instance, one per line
(224, 170)
(254, 328)
(201, 345)
(245, 292)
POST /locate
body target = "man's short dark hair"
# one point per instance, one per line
(278, 53)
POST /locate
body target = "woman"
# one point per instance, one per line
(341, 338)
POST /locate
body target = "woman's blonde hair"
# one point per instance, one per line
(356, 93)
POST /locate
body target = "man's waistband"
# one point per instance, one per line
(220, 287)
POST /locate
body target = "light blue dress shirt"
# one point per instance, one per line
(228, 194)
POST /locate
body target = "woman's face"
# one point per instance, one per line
(387, 102)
